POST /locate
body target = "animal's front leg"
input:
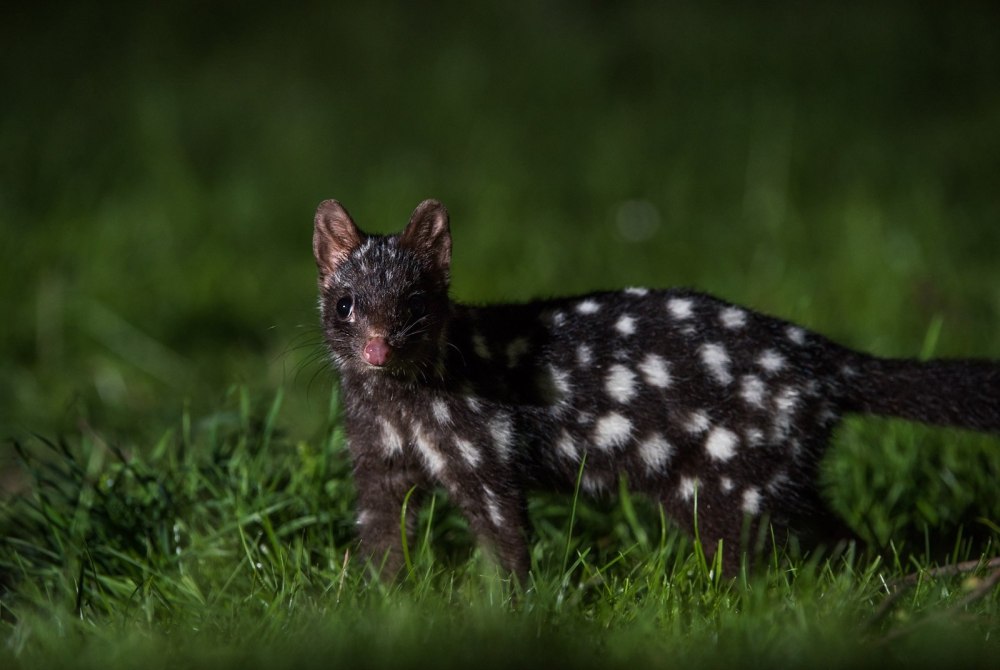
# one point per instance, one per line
(382, 491)
(499, 518)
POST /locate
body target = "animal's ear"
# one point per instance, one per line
(429, 235)
(334, 236)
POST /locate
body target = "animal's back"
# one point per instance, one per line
(682, 393)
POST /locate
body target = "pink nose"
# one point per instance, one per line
(377, 351)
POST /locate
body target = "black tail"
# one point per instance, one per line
(961, 393)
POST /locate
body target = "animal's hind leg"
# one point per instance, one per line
(737, 534)
(818, 527)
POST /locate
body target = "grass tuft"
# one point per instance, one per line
(227, 543)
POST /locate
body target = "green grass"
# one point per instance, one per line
(228, 544)
(179, 493)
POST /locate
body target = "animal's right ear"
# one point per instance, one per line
(334, 236)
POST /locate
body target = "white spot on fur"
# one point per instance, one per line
(716, 359)
(480, 347)
(612, 430)
(567, 447)
(752, 391)
(655, 453)
(364, 516)
(392, 441)
(583, 418)
(588, 307)
(468, 451)
(753, 436)
(654, 370)
(785, 403)
(681, 308)
(688, 485)
(502, 429)
(625, 325)
(558, 319)
(560, 384)
(771, 360)
(726, 484)
(751, 500)
(517, 348)
(786, 400)
(796, 334)
(473, 403)
(721, 444)
(733, 317)
(637, 290)
(493, 508)
(778, 482)
(435, 459)
(592, 484)
(441, 412)
(620, 383)
(584, 355)
(796, 448)
(698, 422)
(495, 516)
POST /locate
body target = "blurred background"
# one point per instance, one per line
(836, 164)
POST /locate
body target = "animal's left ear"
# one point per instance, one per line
(429, 235)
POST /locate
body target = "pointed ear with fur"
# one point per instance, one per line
(429, 235)
(334, 236)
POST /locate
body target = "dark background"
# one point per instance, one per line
(837, 164)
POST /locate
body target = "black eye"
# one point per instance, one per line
(416, 304)
(344, 307)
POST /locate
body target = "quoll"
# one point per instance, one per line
(681, 393)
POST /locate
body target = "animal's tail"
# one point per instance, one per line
(961, 393)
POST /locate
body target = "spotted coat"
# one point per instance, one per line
(689, 398)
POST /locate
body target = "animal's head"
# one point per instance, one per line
(384, 298)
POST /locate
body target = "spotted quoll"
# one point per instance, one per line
(686, 396)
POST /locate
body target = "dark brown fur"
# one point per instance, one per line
(685, 395)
